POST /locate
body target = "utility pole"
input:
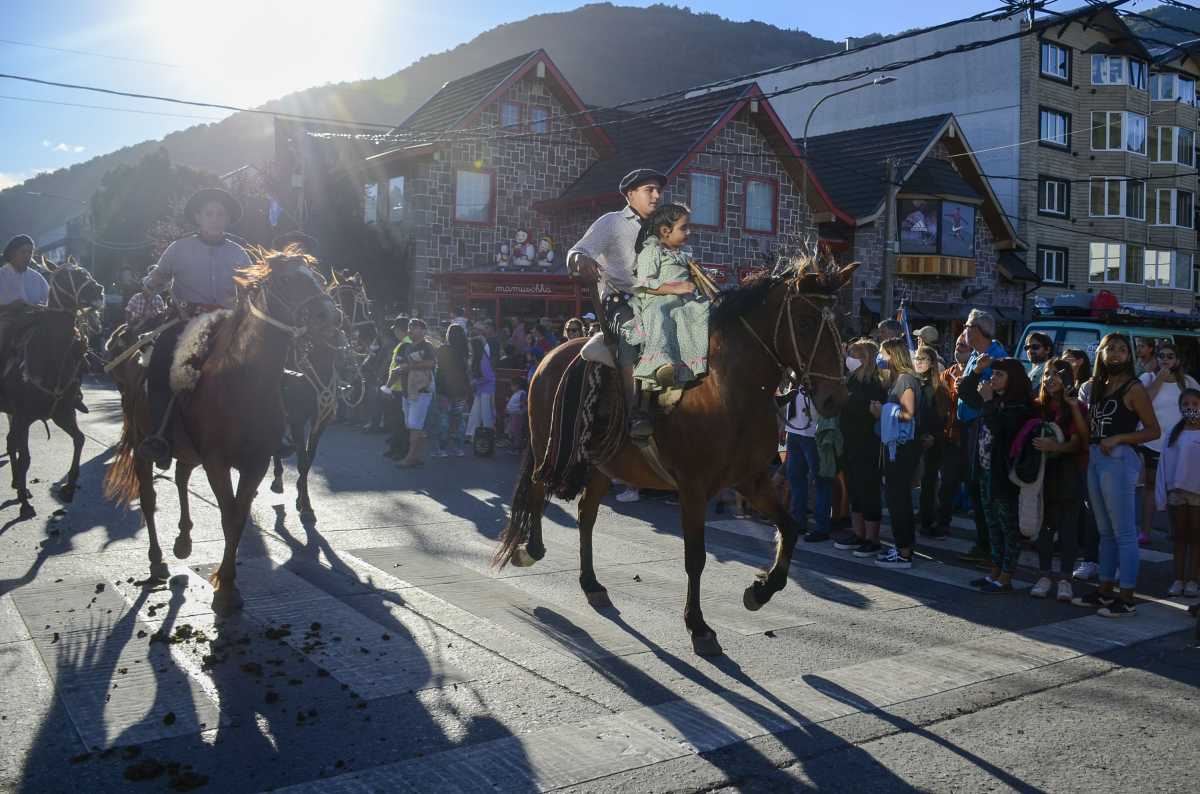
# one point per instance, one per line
(887, 302)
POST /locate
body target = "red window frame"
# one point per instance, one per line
(491, 218)
(774, 183)
(529, 118)
(522, 115)
(720, 197)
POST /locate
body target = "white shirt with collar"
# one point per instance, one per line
(610, 242)
(27, 285)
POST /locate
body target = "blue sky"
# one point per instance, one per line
(206, 50)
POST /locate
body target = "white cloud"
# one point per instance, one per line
(70, 148)
(8, 180)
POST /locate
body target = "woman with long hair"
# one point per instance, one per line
(452, 389)
(1119, 404)
(483, 387)
(1063, 481)
(1164, 386)
(933, 407)
(900, 461)
(1179, 488)
(866, 384)
(1006, 403)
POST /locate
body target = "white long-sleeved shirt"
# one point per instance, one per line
(1179, 466)
(27, 285)
(610, 241)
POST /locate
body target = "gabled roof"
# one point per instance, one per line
(668, 136)
(458, 103)
(852, 166)
(1100, 17)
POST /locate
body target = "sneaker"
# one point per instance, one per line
(1042, 588)
(1191, 590)
(1119, 608)
(460, 453)
(868, 548)
(816, 536)
(849, 542)
(996, 586)
(441, 453)
(893, 559)
(1093, 600)
(1175, 590)
(628, 495)
(1065, 593)
(982, 581)
(1086, 571)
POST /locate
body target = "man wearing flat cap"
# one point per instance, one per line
(605, 254)
(200, 271)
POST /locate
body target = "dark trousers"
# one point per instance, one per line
(970, 453)
(1089, 534)
(898, 475)
(864, 480)
(158, 379)
(397, 429)
(952, 468)
(803, 465)
(1062, 517)
(929, 483)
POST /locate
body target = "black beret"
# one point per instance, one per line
(640, 176)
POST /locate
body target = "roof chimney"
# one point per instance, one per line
(849, 44)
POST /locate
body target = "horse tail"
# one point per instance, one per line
(527, 504)
(121, 484)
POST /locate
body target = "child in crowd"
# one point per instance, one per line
(1178, 486)
(516, 414)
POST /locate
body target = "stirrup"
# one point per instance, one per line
(665, 376)
(641, 427)
(155, 449)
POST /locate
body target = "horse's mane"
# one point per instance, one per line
(804, 271)
(264, 260)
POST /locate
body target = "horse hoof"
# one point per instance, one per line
(67, 493)
(276, 486)
(159, 572)
(183, 547)
(27, 510)
(749, 601)
(226, 601)
(706, 645)
(523, 559)
(599, 599)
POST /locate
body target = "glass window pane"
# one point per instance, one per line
(1183, 209)
(1116, 72)
(1163, 213)
(1135, 199)
(1136, 133)
(539, 120)
(510, 114)
(1187, 146)
(1096, 262)
(706, 199)
(396, 199)
(473, 197)
(760, 206)
(1135, 262)
(958, 229)
(1097, 69)
(1114, 197)
(1097, 197)
(1099, 131)
(1181, 278)
(371, 203)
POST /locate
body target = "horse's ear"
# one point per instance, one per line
(843, 276)
(48, 265)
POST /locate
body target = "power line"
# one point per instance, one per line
(90, 54)
(108, 107)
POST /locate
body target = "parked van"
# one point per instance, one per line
(1085, 332)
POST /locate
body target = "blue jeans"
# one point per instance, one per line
(802, 464)
(1112, 480)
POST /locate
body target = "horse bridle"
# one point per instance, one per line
(804, 374)
(296, 331)
(54, 301)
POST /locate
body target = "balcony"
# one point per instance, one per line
(934, 265)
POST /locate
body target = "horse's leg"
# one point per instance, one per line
(306, 453)
(18, 443)
(183, 541)
(149, 504)
(694, 505)
(277, 475)
(761, 493)
(226, 599)
(521, 541)
(589, 504)
(68, 421)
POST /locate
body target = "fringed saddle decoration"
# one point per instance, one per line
(195, 343)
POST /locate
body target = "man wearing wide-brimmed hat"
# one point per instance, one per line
(605, 254)
(200, 271)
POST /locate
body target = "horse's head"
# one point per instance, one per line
(292, 291)
(807, 338)
(73, 288)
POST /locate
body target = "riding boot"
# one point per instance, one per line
(416, 450)
(641, 425)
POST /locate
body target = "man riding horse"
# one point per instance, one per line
(605, 254)
(200, 270)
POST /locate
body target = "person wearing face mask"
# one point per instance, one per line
(864, 472)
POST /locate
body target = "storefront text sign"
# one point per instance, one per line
(532, 289)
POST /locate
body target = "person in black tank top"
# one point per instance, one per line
(1118, 404)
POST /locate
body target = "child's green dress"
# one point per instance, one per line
(672, 329)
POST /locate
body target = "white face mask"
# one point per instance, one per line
(852, 363)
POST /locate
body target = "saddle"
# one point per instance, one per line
(597, 351)
(587, 427)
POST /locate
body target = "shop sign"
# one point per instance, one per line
(522, 290)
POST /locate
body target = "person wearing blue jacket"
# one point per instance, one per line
(981, 336)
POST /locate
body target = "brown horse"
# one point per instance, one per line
(41, 379)
(722, 433)
(233, 418)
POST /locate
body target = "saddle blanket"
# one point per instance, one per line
(192, 349)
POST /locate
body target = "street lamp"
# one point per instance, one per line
(882, 80)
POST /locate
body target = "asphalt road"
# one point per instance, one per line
(378, 652)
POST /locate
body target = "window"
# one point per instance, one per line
(1187, 147)
(1117, 197)
(1114, 130)
(539, 120)
(1195, 274)
(395, 199)
(473, 196)
(1134, 256)
(1173, 207)
(1157, 272)
(1054, 128)
(958, 229)
(1137, 74)
(371, 203)
(928, 226)
(1173, 145)
(1052, 265)
(1054, 196)
(760, 206)
(1056, 61)
(1104, 262)
(1108, 70)
(1184, 272)
(704, 196)
(510, 114)
(1170, 87)
(1186, 90)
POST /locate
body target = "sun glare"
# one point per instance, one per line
(251, 51)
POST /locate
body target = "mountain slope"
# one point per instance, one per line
(608, 53)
